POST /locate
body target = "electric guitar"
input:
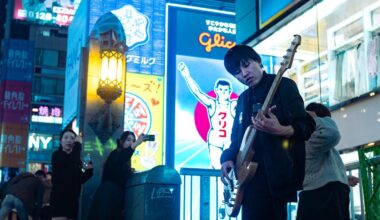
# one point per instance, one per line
(245, 169)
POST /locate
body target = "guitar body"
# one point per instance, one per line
(244, 170)
(240, 176)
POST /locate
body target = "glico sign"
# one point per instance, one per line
(210, 41)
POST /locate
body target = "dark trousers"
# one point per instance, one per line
(259, 204)
(107, 203)
(329, 202)
(46, 213)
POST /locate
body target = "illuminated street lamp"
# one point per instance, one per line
(112, 60)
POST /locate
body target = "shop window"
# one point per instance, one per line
(351, 29)
(46, 57)
(36, 84)
(48, 85)
(338, 59)
(52, 71)
(46, 99)
(62, 59)
(375, 17)
(60, 87)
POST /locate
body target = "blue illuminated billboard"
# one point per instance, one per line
(143, 22)
(77, 39)
(270, 10)
(201, 95)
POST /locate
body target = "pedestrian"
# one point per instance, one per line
(325, 194)
(68, 175)
(24, 193)
(108, 199)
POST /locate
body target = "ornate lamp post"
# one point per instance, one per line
(112, 54)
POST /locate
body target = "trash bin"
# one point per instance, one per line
(153, 194)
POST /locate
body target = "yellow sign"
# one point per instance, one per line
(13, 144)
(144, 113)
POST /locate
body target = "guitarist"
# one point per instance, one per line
(280, 139)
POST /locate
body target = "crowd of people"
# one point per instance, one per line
(55, 195)
(309, 162)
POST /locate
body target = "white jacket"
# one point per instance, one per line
(323, 163)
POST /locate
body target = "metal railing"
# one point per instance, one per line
(201, 195)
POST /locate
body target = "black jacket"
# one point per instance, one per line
(117, 167)
(284, 165)
(67, 181)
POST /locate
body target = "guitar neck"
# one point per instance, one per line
(272, 91)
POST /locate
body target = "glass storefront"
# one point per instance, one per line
(336, 64)
(338, 57)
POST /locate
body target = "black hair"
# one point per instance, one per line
(66, 130)
(40, 173)
(124, 137)
(319, 109)
(12, 173)
(237, 55)
(222, 82)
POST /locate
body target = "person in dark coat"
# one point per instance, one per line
(4, 185)
(68, 176)
(108, 199)
(280, 137)
(24, 193)
(48, 185)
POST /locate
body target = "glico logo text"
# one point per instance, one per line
(217, 40)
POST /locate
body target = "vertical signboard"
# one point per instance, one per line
(144, 113)
(15, 101)
(13, 144)
(77, 39)
(205, 94)
(15, 95)
(143, 25)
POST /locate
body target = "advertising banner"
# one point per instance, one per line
(144, 113)
(18, 58)
(205, 94)
(46, 12)
(15, 101)
(13, 144)
(41, 142)
(143, 22)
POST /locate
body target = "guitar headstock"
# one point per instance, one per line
(285, 64)
(289, 56)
